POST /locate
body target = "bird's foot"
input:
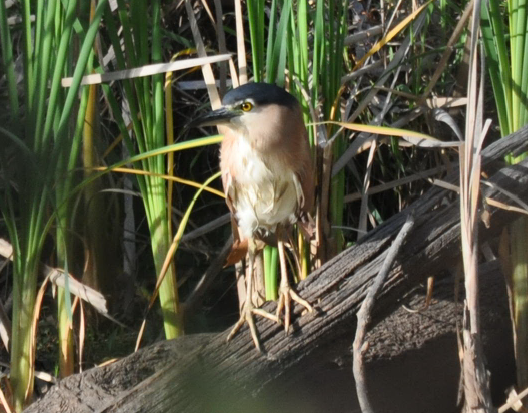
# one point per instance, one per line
(246, 316)
(286, 295)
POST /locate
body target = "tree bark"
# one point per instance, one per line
(198, 374)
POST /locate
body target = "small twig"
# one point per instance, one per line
(513, 401)
(205, 229)
(422, 175)
(509, 194)
(207, 278)
(365, 34)
(428, 298)
(365, 312)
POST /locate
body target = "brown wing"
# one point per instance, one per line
(229, 191)
(305, 201)
(239, 249)
(305, 190)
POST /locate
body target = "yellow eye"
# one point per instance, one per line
(246, 106)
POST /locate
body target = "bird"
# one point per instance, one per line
(268, 180)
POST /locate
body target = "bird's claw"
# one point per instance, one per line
(246, 316)
(287, 294)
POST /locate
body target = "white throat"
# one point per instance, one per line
(265, 192)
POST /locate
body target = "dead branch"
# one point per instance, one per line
(365, 312)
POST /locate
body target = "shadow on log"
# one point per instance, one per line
(205, 374)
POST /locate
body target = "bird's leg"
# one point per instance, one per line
(286, 293)
(248, 309)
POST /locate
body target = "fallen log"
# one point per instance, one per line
(206, 374)
(409, 354)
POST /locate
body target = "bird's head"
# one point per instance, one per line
(253, 107)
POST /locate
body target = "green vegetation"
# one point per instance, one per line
(97, 160)
(506, 57)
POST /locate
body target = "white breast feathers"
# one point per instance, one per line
(265, 192)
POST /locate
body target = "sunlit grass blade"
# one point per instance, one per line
(271, 259)
(168, 177)
(494, 46)
(147, 70)
(276, 61)
(172, 250)
(416, 138)
(255, 11)
(8, 62)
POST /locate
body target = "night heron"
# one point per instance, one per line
(267, 177)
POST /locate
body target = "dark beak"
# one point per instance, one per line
(216, 117)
